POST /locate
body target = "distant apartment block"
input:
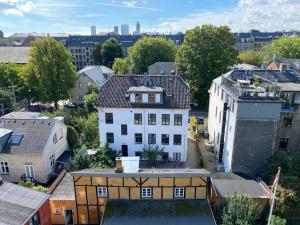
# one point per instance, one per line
(93, 30)
(124, 29)
(252, 114)
(116, 29)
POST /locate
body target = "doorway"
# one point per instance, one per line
(124, 150)
(69, 217)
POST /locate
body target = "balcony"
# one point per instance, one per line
(256, 88)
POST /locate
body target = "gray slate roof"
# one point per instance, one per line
(35, 134)
(18, 203)
(65, 189)
(229, 184)
(158, 67)
(18, 55)
(98, 74)
(114, 90)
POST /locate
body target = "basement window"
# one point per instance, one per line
(102, 191)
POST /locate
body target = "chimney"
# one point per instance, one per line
(119, 167)
(282, 67)
(146, 82)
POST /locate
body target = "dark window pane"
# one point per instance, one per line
(177, 119)
(177, 139)
(109, 118)
(151, 119)
(165, 119)
(110, 138)
(151, 139)
(138, 138)
(164, 139)
(138, 118)
(123, 129)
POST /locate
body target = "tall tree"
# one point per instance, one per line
(121, 66)
(52, 70)
(205, 54)
(252, 57)
(149, 50)
(285, 47)
(97, 54)
(111, 49)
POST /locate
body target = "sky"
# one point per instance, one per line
(165, 16)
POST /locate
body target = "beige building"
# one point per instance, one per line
(30, 148)
(87, 77)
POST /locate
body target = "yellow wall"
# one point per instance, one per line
(88, 204)
(62, 206)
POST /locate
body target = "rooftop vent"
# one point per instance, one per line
(162, 72)
(127, 164)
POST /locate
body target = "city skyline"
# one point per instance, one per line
(169, 16)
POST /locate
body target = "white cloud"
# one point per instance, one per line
(27, 7)
(13, 12)
(17, 7)
(129, 4)
(265, 15)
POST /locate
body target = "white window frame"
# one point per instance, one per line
(4, 167)
(52, 160)
(102, 191)
(146, 192)
(31, 171)
(179, 192)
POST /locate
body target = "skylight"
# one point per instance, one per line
(16, 139)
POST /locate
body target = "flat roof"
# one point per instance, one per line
(230, 184)
(65, 189)
(290, 86)
(153, 212)
(144, 173)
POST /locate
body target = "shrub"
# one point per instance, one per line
(72, 137)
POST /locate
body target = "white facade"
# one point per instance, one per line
(125, 116)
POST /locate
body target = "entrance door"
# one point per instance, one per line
(124, 150)
(68, 217)
(177, 156)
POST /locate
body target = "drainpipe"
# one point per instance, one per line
(225, 108)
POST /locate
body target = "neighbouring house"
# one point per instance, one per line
(141, 111)
(87, 77)
(162, 68)
(252, 114)
(23, 206)
(227, 185)
(30, 148)
(132, 195)
(18, 55)
(277, 64)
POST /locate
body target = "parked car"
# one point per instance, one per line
(200, 120)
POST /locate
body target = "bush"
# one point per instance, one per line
(276, 220)
(36, 187)
(72, 137)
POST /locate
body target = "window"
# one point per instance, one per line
(35, 220)
(177, 119)
(123, 129)
(164, 139)
(151, 119)
(287, 120)
(222, 94)
(29, 170)
(151, 98)
(4, 168)
(52, 160)
(146, 192)
(177, 139)
(138, 138)
(102, 191)
(109, 118)
(165, 119)
(110, 138)
(139, 153)
(216, 114)
(138, 118)
(80, 84)
(138, 98)
(177, 156)
(283, 143)
(151, 139)
(55, 138)
(179, 192)
(16, 139)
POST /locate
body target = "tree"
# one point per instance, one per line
(7, 100)
(285, 47)
(72, 137)
(89, 128)
(276, 220)
(252, 57)
(81, 160)
(149, 50)
(104, 157)
(254, 31)
(111, 49)
(121, 66)
(90, 101)
(51, 69)
(151, 153)
(240, 211)
(205, 54)
(97, 54)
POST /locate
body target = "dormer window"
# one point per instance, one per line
(138, 98)
(151, 98)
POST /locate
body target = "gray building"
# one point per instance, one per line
(116, 29)
(124, 29)
(1, 34)
(252, 114)
(93, 30)
(162, 68)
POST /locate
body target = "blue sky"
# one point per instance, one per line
(76, 16)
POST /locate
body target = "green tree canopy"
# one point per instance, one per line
(97, 54)
(285, 47)
(252, 57)
(111, 49)
(7, 100)
(50, 72)
(121, 66)
(205, 54)
(149, 50)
